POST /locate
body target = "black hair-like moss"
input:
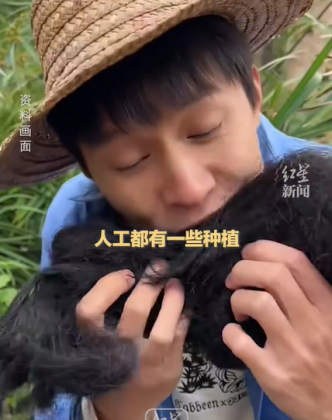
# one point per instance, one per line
(42, 344)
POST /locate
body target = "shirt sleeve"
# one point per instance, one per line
(65, 407)
(63, 211)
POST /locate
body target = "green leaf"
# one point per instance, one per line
(4, 280)
(309, 81)
(277, 61)
(316, 131)
(7, 296)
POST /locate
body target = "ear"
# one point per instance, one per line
(83, 166)
(258, 93)
(85, 172)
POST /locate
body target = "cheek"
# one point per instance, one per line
(237, 158)
(132, 202)
(242, 138)
(244, 150)
(247, 158)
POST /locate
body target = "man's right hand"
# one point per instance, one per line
(161, 360)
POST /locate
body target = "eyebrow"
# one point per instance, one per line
(112, 134)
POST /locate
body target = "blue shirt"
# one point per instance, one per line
(78, 198)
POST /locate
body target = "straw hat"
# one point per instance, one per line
(76, 39)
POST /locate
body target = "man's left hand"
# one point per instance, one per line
(295, 310)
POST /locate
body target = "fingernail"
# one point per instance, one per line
(184, 321)
(155, 268)
(227, 281)
(159, 266)
(129, 276)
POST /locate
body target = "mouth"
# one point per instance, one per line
(201, 224)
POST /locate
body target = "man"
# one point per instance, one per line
(159, 103)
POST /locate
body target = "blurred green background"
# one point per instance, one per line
(296, 73)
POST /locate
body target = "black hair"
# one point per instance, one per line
(41, 343)
(180, 67)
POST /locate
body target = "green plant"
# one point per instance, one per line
(300, 108)
(22, 211)
(7, 292)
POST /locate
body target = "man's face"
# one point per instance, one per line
(175, 174)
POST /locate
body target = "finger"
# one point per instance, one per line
(260, 362)
(138, 306)
(163, 332)
(277, 280)
(262, 307)
(108, 289)
(244, 348)
(314, 286)
(181, 334)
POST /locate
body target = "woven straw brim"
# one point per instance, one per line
(78, 39)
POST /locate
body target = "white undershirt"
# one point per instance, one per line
(205, 392)
(209, 393)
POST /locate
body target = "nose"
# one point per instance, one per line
(186, 182)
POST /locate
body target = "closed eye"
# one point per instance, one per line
(206, 134)
(127, 168)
